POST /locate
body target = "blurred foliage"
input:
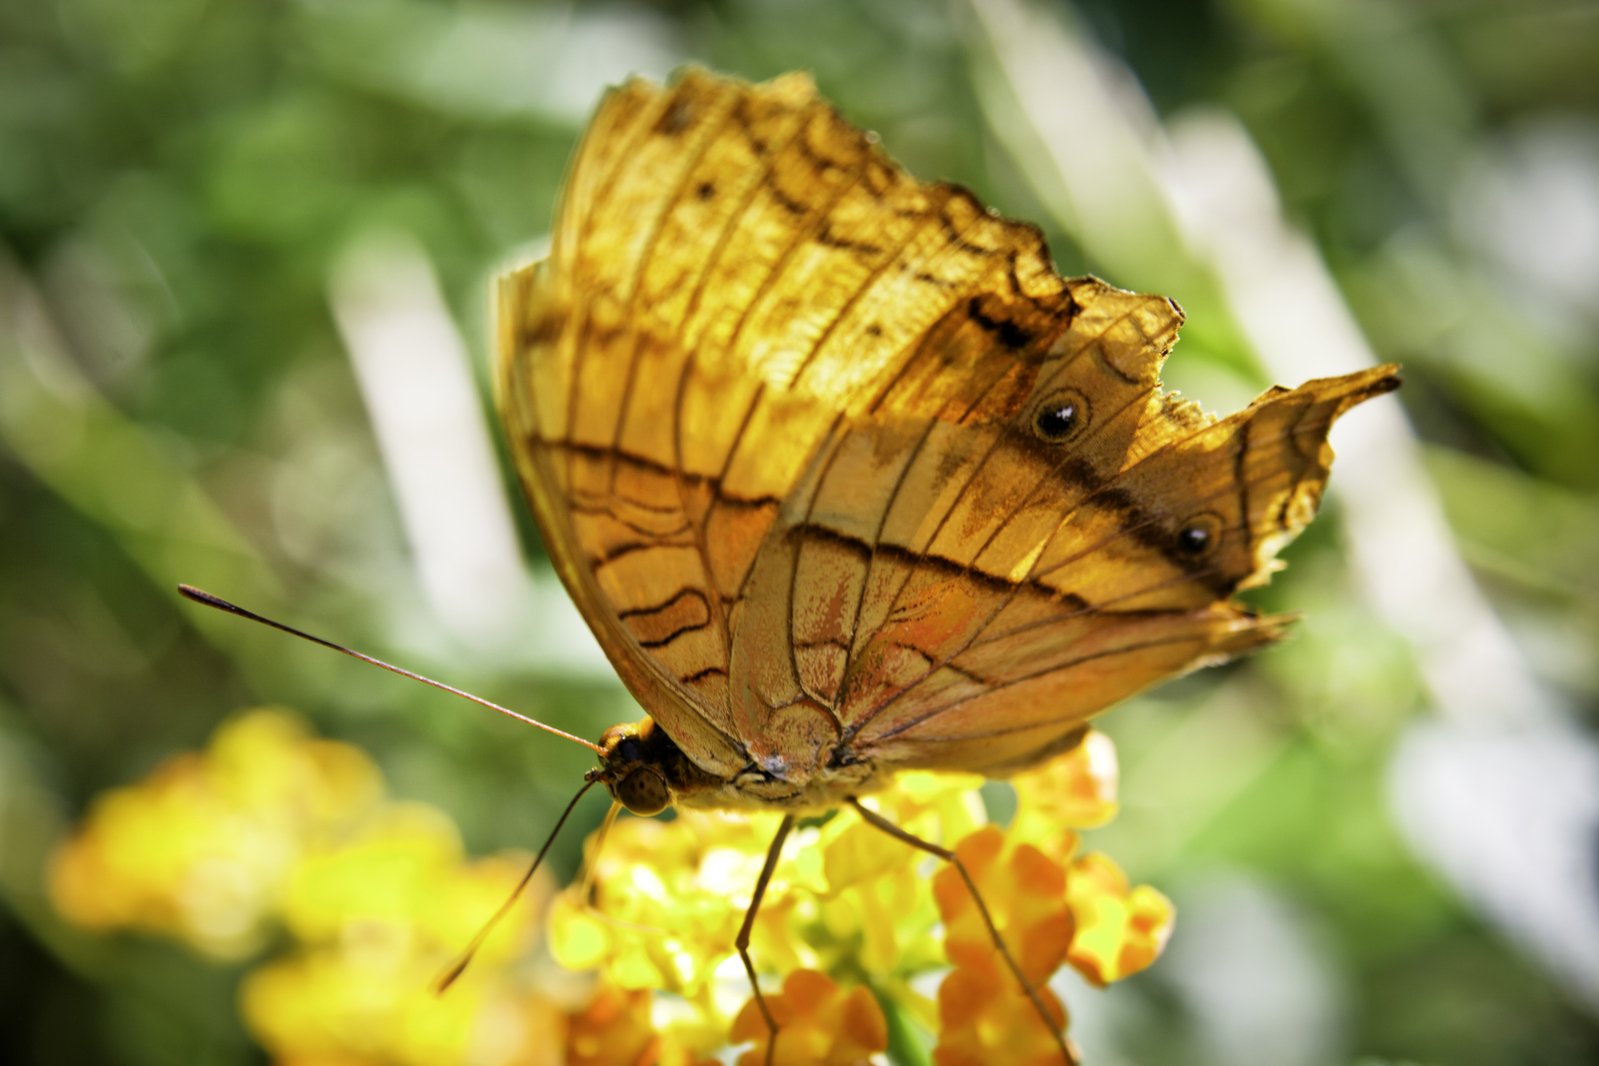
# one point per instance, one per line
(181, 181)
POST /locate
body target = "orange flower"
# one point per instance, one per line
(983, 1020)
(819, 1024)
(1026, 894)
(1120, 930)
(615, 1029)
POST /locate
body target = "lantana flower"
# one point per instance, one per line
(984, 1017)
(202, 848)
(820, 1024)
(271, 831)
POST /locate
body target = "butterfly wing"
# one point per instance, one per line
(606, 355)
(1085, 576)
(966, 576)
(837, 467)
(647, 371)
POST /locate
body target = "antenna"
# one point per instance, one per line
(447, 978)
(201, 596)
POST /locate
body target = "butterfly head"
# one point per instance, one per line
(634, 765)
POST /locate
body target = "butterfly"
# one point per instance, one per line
(847, 480)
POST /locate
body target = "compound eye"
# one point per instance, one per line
(615, 735)
(643, 791)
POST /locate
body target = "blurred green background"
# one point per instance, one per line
(245, 260)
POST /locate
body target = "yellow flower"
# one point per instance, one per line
(370, 1002)
(666, 899)
(1120, 930)
(266, 762)
(819, 1024)
(270, 824)
(202, 849)
(406, 868)
(381, 916)
(1074, 791)
(876, 915)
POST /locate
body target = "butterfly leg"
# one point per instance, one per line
(742, 943)
(877, 821)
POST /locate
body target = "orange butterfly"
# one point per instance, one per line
(847, 480)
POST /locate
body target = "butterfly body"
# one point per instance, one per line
(844, 476)
(646, 771)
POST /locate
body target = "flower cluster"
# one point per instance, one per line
(205, 848)
(270, 831)
(663, 901)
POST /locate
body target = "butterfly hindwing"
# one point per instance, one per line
(1128, 584)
